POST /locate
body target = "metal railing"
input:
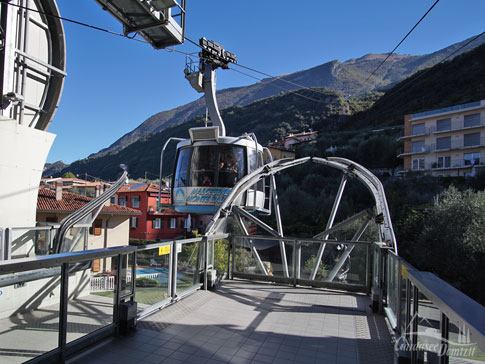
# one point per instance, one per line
(51, 294)
(446, 109)
(433, 321)
(44, 294)
(344, 264)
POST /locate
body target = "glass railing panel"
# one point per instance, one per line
(220, 256)
(245, 260)
(29, 314)
(30, 242)
(403, 298)
(429, 334)
(210, 251)
(189, 258)
(352, 270)
(393, 267)
(252, 254)
(461, 348)
(128, 262)
(90, 309)
(76, 239)
(152, 276)
(271, 256)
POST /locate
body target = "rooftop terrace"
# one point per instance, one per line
(248, 322)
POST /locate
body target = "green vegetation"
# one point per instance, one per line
(68, 175)
(147, 282)
(448, 239)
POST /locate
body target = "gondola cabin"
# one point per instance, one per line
(208, 166)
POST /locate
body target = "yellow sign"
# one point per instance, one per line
(163, 250)
(403, 271)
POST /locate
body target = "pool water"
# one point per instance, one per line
(151, 270)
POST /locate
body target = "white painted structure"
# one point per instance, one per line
(32, 59)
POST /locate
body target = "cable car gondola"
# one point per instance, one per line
(210, 163)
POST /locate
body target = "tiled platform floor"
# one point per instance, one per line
(248, 322)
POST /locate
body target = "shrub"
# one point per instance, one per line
(147, 282)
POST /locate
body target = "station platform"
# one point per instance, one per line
(248, 322)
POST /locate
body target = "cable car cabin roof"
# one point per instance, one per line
(226, 140)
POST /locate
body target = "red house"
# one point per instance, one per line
(151, 225)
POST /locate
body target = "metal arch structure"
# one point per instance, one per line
(33, 76)
(379, 212)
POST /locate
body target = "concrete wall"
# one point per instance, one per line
(24, 151)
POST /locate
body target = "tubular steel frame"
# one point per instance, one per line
(379, 212)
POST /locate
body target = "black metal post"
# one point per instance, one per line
(63, 308)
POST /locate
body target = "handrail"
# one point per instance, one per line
(78, 215)
(54, 260)
(302, 240)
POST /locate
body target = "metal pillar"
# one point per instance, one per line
(279, 226)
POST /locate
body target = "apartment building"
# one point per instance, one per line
(445, 142)
(151, 224)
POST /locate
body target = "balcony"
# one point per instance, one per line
(457, 144)
(447, 110)
(457, 126)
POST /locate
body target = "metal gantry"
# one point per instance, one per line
(379, 212)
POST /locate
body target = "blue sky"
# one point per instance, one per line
(114, 84)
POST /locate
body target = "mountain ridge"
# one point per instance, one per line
(347, 77)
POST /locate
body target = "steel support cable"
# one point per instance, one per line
(280, 87)
(277, 78)
(402, 40)
(417, 75)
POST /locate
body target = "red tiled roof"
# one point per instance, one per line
(46, 201)
(139, 187)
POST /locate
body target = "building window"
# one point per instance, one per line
(472, 139)
(444, 162)
(417, 163)
(443, 124)
(418, 129)
(186, 223)
(156, 223)
(173, 223)
(472, 159)
(419, 147)
(471, 120)
(96, 228)
(135, 201)
(443, 143)
(122, 201)
(134, 222)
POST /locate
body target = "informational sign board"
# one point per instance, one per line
(164, 250)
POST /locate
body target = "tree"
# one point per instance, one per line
(451, 242)
(68, 175)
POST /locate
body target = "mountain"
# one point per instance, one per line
(347, 122)
(348, 77)
(51, 169)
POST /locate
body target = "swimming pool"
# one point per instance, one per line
(151, 270)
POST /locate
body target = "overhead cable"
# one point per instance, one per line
(402, 40)
(412, 79)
